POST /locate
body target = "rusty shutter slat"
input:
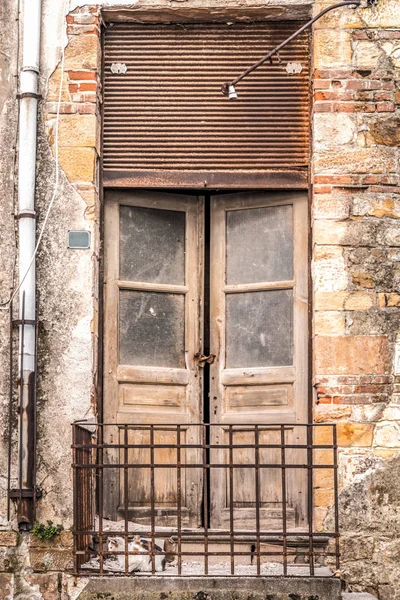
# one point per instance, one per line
(166, 118)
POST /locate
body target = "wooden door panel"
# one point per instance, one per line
(259, 287)
(152, 333)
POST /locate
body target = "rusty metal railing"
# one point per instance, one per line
(121, 527)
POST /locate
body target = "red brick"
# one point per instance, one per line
(360, 35)
(322, 84)
(362, 96)
(73, 87)
(86, 109)
(376, 84)
(368, 389)
(88, 87)
(323, 107)
(389, 35)
(354, 380)
(70, 18)
(88, 97)
(333, 73)
(389, 179)
(79, 29)
(382, 379)
(383, 96)
(360, 399)
(357, 84)
(334, 95)
(324, 400)
(334, 179)
(348, 107)
(370, 179)
(335, 390)
(85, 19)
(82, 75)
(322, 189)
(385, 107)
(384, 190)
(91, 30)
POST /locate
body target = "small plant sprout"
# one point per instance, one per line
(46, 532)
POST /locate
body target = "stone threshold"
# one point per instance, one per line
(212, 588)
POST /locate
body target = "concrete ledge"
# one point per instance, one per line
(221, 588)
(164, 11)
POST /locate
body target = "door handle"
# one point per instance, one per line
(202, 359)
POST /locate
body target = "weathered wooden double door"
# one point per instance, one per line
(232, 267)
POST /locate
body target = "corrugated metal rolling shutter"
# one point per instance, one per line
(165, 119)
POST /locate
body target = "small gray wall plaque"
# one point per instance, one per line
(79, 239)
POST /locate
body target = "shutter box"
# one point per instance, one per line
(167, 124)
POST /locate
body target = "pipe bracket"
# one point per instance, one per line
(31, 68)
(29, 95)
(26, 215)
(18, 322)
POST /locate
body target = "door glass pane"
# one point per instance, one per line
(259, 245)
(151, 329)
(259, 329)
(152, 245)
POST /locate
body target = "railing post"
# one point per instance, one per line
(284, 512)
(257, 490)
(336, 496)
(179, 497)
(310, 497)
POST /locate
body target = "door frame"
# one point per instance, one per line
(268, 180)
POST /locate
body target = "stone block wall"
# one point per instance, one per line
(356, 269)
(33, 569)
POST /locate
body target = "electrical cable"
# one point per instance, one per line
(15, 146)
(228, 88)
(6, 305)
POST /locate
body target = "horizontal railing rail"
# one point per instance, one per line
(135, 511)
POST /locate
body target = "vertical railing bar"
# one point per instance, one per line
(75, 499)
(205, 499)
(10, 412)
(310, 497)
(152, 499)
(231, 524)
(284, 512)
(88, 494)
(179, 497)
(336, 495)
(82, 511)
(101, 494)
(257, 484)
(126, 473)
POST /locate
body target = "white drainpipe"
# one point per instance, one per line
(28, 98)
